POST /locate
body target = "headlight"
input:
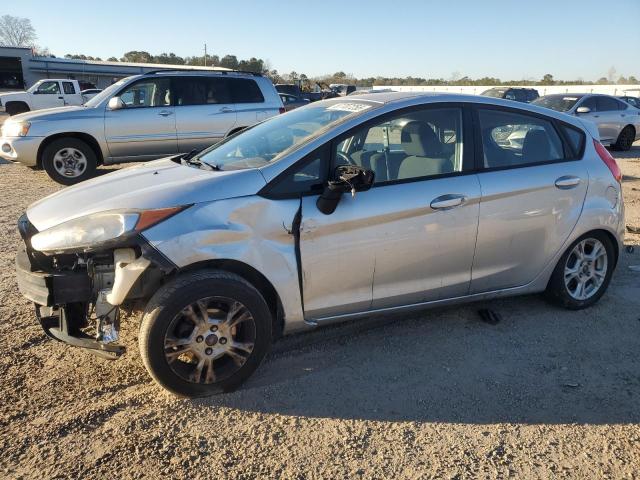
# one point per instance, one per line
(98, 230)
(15, 129)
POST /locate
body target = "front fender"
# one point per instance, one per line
(252, 230)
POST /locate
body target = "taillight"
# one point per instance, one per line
(609, 161)
(281, 110)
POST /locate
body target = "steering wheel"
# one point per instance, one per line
(346, 158)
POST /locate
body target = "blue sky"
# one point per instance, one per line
(508, 39)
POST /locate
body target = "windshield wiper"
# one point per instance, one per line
(192, 159)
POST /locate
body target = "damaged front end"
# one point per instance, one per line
(78, 296)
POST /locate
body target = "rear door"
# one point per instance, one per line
(146, 128)
(611, 120)
(533, 189)
(248, 101)
(71, 95)
(205, 113)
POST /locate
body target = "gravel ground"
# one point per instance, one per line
(545, 393)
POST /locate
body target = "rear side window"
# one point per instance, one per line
(68, 88)
(244, 90)
(200, 91)
(512, 139)
(576, 139)
(606, 104)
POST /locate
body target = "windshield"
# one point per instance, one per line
(268, 141)
(559, 103)
(106, 93)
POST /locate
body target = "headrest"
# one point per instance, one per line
(419, 139)
(536, 146)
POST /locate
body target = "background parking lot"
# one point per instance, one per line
(545, 393)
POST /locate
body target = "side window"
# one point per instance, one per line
(307, 176)
(153, 92)
(590, 103)
(576, 139)
(68, 88)
(189, 91)
(512, 139)
(622, 105)
(244, 90)
(606, 104)
(415, 144)
(49, 88)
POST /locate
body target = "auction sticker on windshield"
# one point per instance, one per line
(349, 107)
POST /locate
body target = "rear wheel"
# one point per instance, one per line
(625, 139)
(583, 273)
(69, 161)
(204, 333)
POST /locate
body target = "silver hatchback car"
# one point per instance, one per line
(341, 209)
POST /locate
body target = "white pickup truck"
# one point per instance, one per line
(48, 93)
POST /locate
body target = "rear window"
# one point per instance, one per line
(244, 90)
(576, 139)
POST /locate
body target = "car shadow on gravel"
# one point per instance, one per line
(634, 152)
(539, 364)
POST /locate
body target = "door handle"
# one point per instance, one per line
(445, 202)
(226, 109)
(60, 98)
(165, 113)
(567, 182)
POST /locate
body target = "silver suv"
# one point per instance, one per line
(345, 208)
(143, 117)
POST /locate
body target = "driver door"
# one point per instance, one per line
(411, 237)
(48, 95)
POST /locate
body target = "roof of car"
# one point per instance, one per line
(437, 97)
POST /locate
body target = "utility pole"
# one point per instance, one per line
(205, 54)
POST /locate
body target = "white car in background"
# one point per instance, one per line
(618, 122)
(48, 93)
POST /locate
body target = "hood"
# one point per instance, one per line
(159, 184)
(8, 96)
(67, 112)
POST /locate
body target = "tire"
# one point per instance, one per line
(69, 161)
(16, 108)
(625, 139)
(566, 294)
(174, 344)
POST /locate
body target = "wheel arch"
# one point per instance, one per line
(85, 137)
(11, 103)
(612, 239)
(255, 278)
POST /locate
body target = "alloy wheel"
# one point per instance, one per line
(210, 340)
(586, 269)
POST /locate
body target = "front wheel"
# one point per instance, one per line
(204, 333)
(583, 273)
(69, 161)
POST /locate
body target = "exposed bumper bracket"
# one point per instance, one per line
(57, 327)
